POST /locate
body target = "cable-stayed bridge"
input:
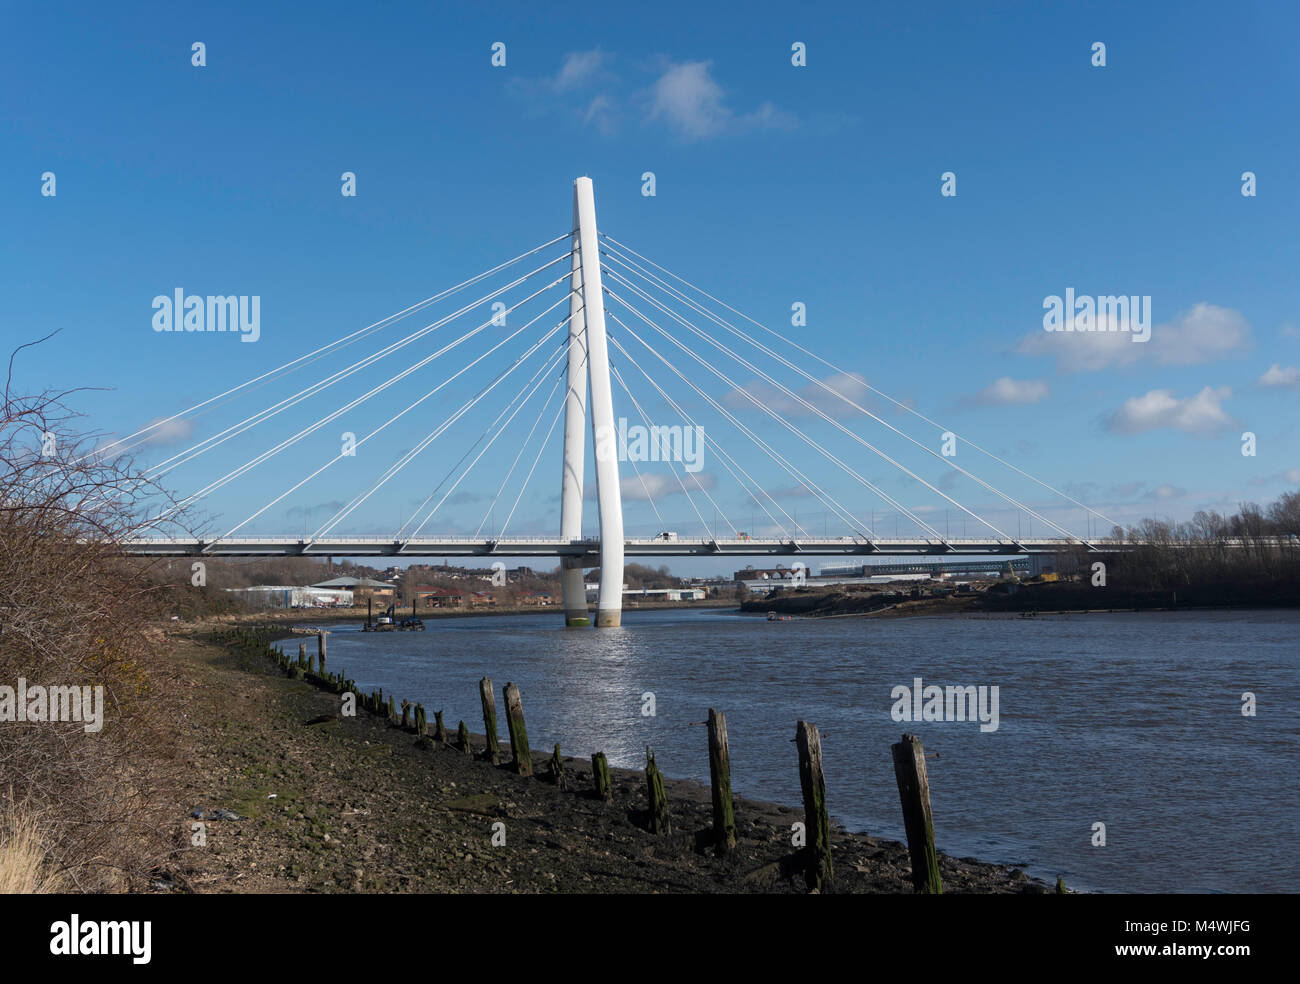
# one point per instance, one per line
(595, 315)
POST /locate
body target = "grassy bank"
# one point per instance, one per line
(343, 804)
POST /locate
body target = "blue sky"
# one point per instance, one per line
(775, 184)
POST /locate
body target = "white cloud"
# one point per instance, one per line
(1007, 391)
(689, 99)
(1166, 491)
(658, 485)
(570, 90)
(1202, 414)
(1291, 476)
(1277, 376)
(579, 68)
(850, 385)
(169, 432)
(1204, 333)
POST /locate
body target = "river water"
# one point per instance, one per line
(1133, 721)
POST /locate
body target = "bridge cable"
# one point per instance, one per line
(799, 399)
(396, 417)
(820, 383)
(231, 476)
(793, 471)
(487, 513)
(868, 386)
(645, 420)
(727, 460)
(549, 364)
(337, 343)
(322, 384)
(266, 413)
(559, 411)
(779, 419)
(433, 435)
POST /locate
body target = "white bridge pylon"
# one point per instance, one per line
(589, 365)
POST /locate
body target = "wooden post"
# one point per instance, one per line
(523, 758)
(914, 792)
(406, 714)
(600, 775)
(819, 872)
(302, 652)
(557, 769)
(462, 738)
(724, 815)
(392, 710)
(659, 822)
(320, 649)
(370, 608)
(492, 753)
(421, 722)
(439, 732)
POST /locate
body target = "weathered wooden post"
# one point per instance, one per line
(462, 738)
(523, 758)
(600, 775)
(406, 714)
(492, 753)
(391, 710)
(421, 722)
(659, 822)
(302, 652)
(439, 732)
(724, 815)
(819, 872)
(914, 792)
(320, 649)
(557, 770)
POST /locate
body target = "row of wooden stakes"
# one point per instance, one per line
(908, 755)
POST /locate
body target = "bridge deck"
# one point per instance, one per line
(590, 549)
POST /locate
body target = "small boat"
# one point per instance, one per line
(774, 617)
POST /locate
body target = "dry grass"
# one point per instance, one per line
(26, 866)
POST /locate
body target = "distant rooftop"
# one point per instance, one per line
(353, 582)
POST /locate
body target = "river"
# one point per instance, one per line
(1133, 721)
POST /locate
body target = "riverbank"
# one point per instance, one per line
(357, 614)
(335, 804)
(1044, 598)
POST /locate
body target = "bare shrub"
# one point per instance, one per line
(75, 613)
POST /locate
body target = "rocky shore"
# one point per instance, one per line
(356, 804)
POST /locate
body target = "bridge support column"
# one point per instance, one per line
(609, 602)
(572, 583)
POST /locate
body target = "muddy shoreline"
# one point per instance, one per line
(358, 804)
